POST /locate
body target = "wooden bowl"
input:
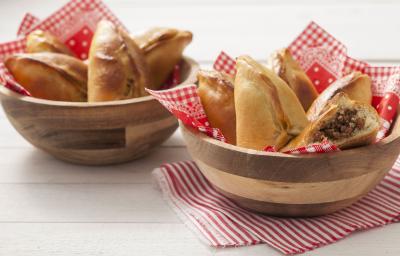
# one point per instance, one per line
(94, 133)
(292, 185)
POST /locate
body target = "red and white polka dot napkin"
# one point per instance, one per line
(74, 24)
(184, 104)
(324, 59)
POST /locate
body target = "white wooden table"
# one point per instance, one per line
(48, 207)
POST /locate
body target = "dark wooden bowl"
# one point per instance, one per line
(94, 133)
(292, 185)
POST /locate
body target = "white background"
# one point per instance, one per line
(49, 207)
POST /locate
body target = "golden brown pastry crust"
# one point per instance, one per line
(357, 137)
(268, 112)
(117, 68)
(41, 41)
(283, 64)
(50, 76)
(216, 94)
(163, 48)
(356, 85)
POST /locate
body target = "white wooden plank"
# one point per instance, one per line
(120, 239)
(99, 239)
(29, 165)
(248, 2)
(175, 140)
(83, 203)
(9, 137)
(369, 29)
(258, 31)
(379, 241)
(383, 241)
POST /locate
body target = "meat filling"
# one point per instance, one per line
(345, 123)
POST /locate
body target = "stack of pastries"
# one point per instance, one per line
(277, 105)
(119, 66)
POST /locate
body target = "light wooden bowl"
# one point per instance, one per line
(292, 185)
(94, 133)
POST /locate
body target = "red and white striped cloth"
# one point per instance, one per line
(219, 222)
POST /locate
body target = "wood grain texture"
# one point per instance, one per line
(293, 185)
(79, 239)
(289, 210)
(366, 27)
(159, 239)
(45, 169)
(352, 21)
(291, 192)
(83, 203)
(94, 133)
(10, 138)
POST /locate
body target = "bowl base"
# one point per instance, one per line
(101, 161)
(288, 210)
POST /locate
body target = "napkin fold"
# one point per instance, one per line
(219, 222)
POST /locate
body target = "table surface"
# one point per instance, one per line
(50, 207)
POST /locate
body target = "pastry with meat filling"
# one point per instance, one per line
(356, 85)
(344, 122)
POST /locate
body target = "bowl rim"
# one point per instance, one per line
(191, 79)
(393, 136)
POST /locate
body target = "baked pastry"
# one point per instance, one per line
(283, 64)
(216, 94)
(344, 122)
(41, 41)
(268, 112)
(163, 48)
(356, 85)
(51, 76)
(117, 68)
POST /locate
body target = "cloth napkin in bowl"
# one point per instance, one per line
(324, 59)
(219, 222)
(74, 24)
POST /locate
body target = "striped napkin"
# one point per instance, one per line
(219, 222)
